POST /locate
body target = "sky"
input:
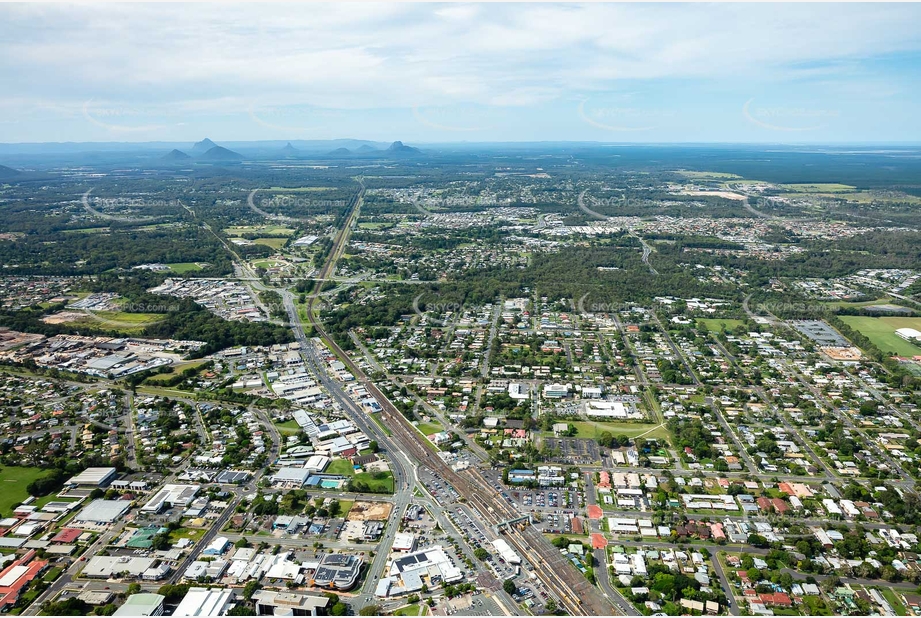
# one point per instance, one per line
(434, 73)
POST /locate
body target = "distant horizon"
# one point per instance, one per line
(219, 141)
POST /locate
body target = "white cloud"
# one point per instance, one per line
(236, 58)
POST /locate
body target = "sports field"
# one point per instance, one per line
(13, 483)
(881, 331)
(183, 267)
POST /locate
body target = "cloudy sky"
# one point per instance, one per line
(462, 72)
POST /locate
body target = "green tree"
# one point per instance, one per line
(509, 586)
(250, 589)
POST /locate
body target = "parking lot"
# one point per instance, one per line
(574, 451)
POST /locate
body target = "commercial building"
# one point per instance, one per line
(217, 547)
(170, 496)
(104, 567)
(556, 391)
(206, 602)
(409, 572)
(337, 571)
(94, 477)
(102, 512)
(142, 604)
(404, 541)
(506, 552)
(518, 391)
(316, 464)
(291, 477)
(273, 603)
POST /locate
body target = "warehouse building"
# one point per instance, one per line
(102, 512)
(94, 477)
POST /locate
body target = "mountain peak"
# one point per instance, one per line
(399, 147)
(203, 146)
(8, 172)
(176, 155)
(289, 151)
(219, 153)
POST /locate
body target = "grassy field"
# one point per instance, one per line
(593, 429)
(382, 486)
(183, 267)
(288, 428)
(889, 595)
(699, 175)
(345, 506)
(13, 483)
(864, 303)
(52, 574)
(267, 263)
(275, 243)
(195, 534)
(300, 189)
(88, 230)
(342, 467)
(272, 230)
(820, 187)
(377, 421)
(416, 609)
(174, 371)
(118, 320)
(718, 324)
(374, 225)
(428, 429)
(881, 331)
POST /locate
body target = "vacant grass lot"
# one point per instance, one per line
(428, 429)
(121, 321)
(275, 243)
(881, 331)
(271, 230)
(288, 428)
(378, 486)
(718, 324)
(174, 371)
(593, 429)
(342, 467)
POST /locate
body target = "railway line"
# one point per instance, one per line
(573, 592)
